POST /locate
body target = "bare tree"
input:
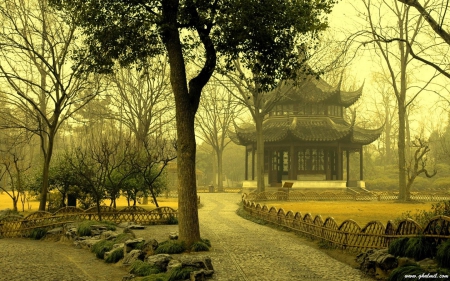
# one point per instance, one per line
(218, 109)
(418, 164)
(436, 18)
(14, 162)
(40, 79)
(397, 60)
(142, 98)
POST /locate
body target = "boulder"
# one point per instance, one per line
(377, 263)
(160, 260)
(125, 224)
(131, 244)
(173, 264)
(108, 235)
(71, 233)
(57, 230)
(201, 275)
(200, 262)
(132, 256)
(150, 247)
(173, 236)
(135, 226)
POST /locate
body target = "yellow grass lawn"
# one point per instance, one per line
(6, 202)
(360, 211)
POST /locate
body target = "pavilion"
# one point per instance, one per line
(309, 139)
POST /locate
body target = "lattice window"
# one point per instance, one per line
(311, 159)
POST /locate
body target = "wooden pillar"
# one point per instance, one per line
(253, 162)
(347, 152)
(292, 166)
(361, 170)
(339, 170)
(246, 164)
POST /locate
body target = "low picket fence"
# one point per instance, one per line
(349, 235)
(17, 226)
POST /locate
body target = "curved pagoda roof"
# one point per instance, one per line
(307, 129)
(315, 90)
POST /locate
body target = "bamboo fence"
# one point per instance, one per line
(348, 235)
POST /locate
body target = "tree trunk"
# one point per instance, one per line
(401, 155)
(259, 154)
(46, 168)
(219, 170)
(186, 104)
(154, 197)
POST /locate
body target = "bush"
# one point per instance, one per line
(115, 256)
(141, 268)
(172, 220)
(171, 247)
(84, 228)
(38, 233)
(419, 248)
(423, 217)
(181, 273)
(100, 248)
(397, 247)
(443, 254)
(399, 273)
(207, 242)
(121, 238)
(199, 246)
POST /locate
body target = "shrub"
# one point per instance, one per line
(115, 256)
(100, 248)
(38, 233)
(443, 254)
(419, 248)
(398, 247)
(423, 217)
(141, 268)
(206, 241)
(199, 246)
(171, 247)
(399, 273)
(180, 273)
(121, 238)
(172, 220)
(84, 228)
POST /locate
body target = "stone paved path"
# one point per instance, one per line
(25, 259)
(242, 251)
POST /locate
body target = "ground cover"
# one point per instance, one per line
(6, 202)
(360, 211)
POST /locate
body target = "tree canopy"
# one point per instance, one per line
(268, 36)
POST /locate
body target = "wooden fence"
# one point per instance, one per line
(342, 195)
(17, 226)
(349, 235)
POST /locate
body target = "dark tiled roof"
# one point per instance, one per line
(313, 90)
(320, 129)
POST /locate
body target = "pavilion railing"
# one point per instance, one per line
(349, 235)
(337, 196)
(17, 226)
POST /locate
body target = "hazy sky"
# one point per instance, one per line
(345, 17)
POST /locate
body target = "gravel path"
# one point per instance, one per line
(242, 251)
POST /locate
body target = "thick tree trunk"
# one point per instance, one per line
(259, 154)
(46, 169)
(186, 105)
